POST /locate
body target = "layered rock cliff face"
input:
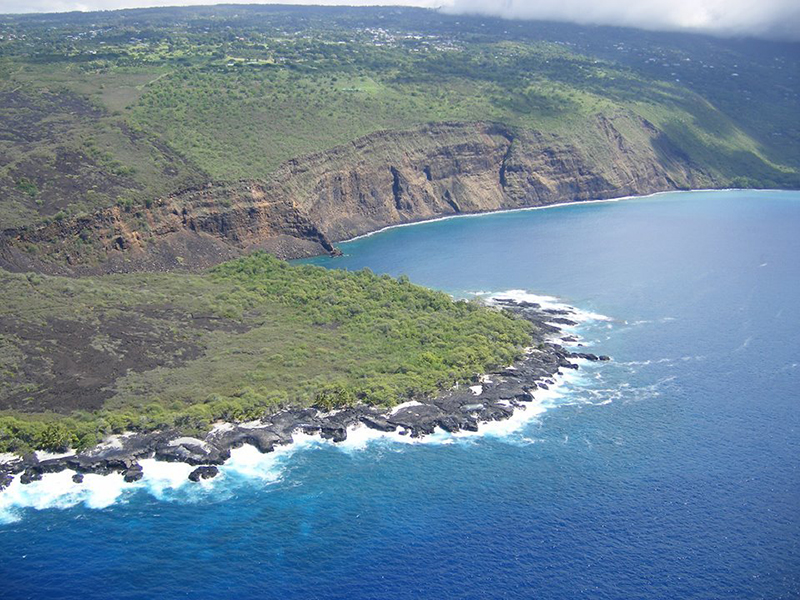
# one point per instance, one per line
(385, 178)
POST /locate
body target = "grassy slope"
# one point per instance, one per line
(124, 107)
(138, 104)
(65, 154)
(248, 336)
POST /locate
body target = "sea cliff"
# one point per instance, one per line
(382, 179)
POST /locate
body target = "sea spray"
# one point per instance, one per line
(546, 303)
(58, 490)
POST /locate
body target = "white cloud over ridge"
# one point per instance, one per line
(779, 19)
(762, 18)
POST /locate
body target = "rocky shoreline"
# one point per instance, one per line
(495, 398)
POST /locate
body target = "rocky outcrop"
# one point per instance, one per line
(382, 179)
(207, 472)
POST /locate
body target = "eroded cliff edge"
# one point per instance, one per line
(382, 179)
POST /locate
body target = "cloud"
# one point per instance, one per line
(761, 18)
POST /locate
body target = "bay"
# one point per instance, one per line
(672, 472)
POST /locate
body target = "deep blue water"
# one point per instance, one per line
(673, 472)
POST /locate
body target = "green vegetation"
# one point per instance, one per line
(129, 106)
(28, 187)
(247, 337)
(121, 109)
(238, 122)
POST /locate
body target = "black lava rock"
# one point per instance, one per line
(206, 472)
(134, 473)
(29, 476)
(5, 480)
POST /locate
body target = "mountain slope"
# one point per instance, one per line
(178, 138)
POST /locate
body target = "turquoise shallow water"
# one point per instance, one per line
(673, 472)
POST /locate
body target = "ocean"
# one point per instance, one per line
(671, 472)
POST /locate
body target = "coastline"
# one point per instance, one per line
(505, 395)
(496, 397)
(546, 206)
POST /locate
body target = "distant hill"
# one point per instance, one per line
(109, 119)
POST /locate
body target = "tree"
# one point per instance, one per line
(336, 395)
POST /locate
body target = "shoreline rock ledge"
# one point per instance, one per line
(494, 397)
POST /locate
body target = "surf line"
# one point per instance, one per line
(547, 206)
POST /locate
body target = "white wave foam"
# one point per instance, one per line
(549, 303)
(543, 400)
(743, 346)
(57, 490)
(359, 437)
(528, 440)
(248, 462)
(662, 361)
(649, 321)
(649, 361)
(625, 392)
(160, 477)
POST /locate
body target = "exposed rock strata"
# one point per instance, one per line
(502, 393)
(382, 179)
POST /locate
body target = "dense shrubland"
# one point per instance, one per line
(283, 335)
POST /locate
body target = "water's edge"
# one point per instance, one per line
(557, 204)
(508, 394)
